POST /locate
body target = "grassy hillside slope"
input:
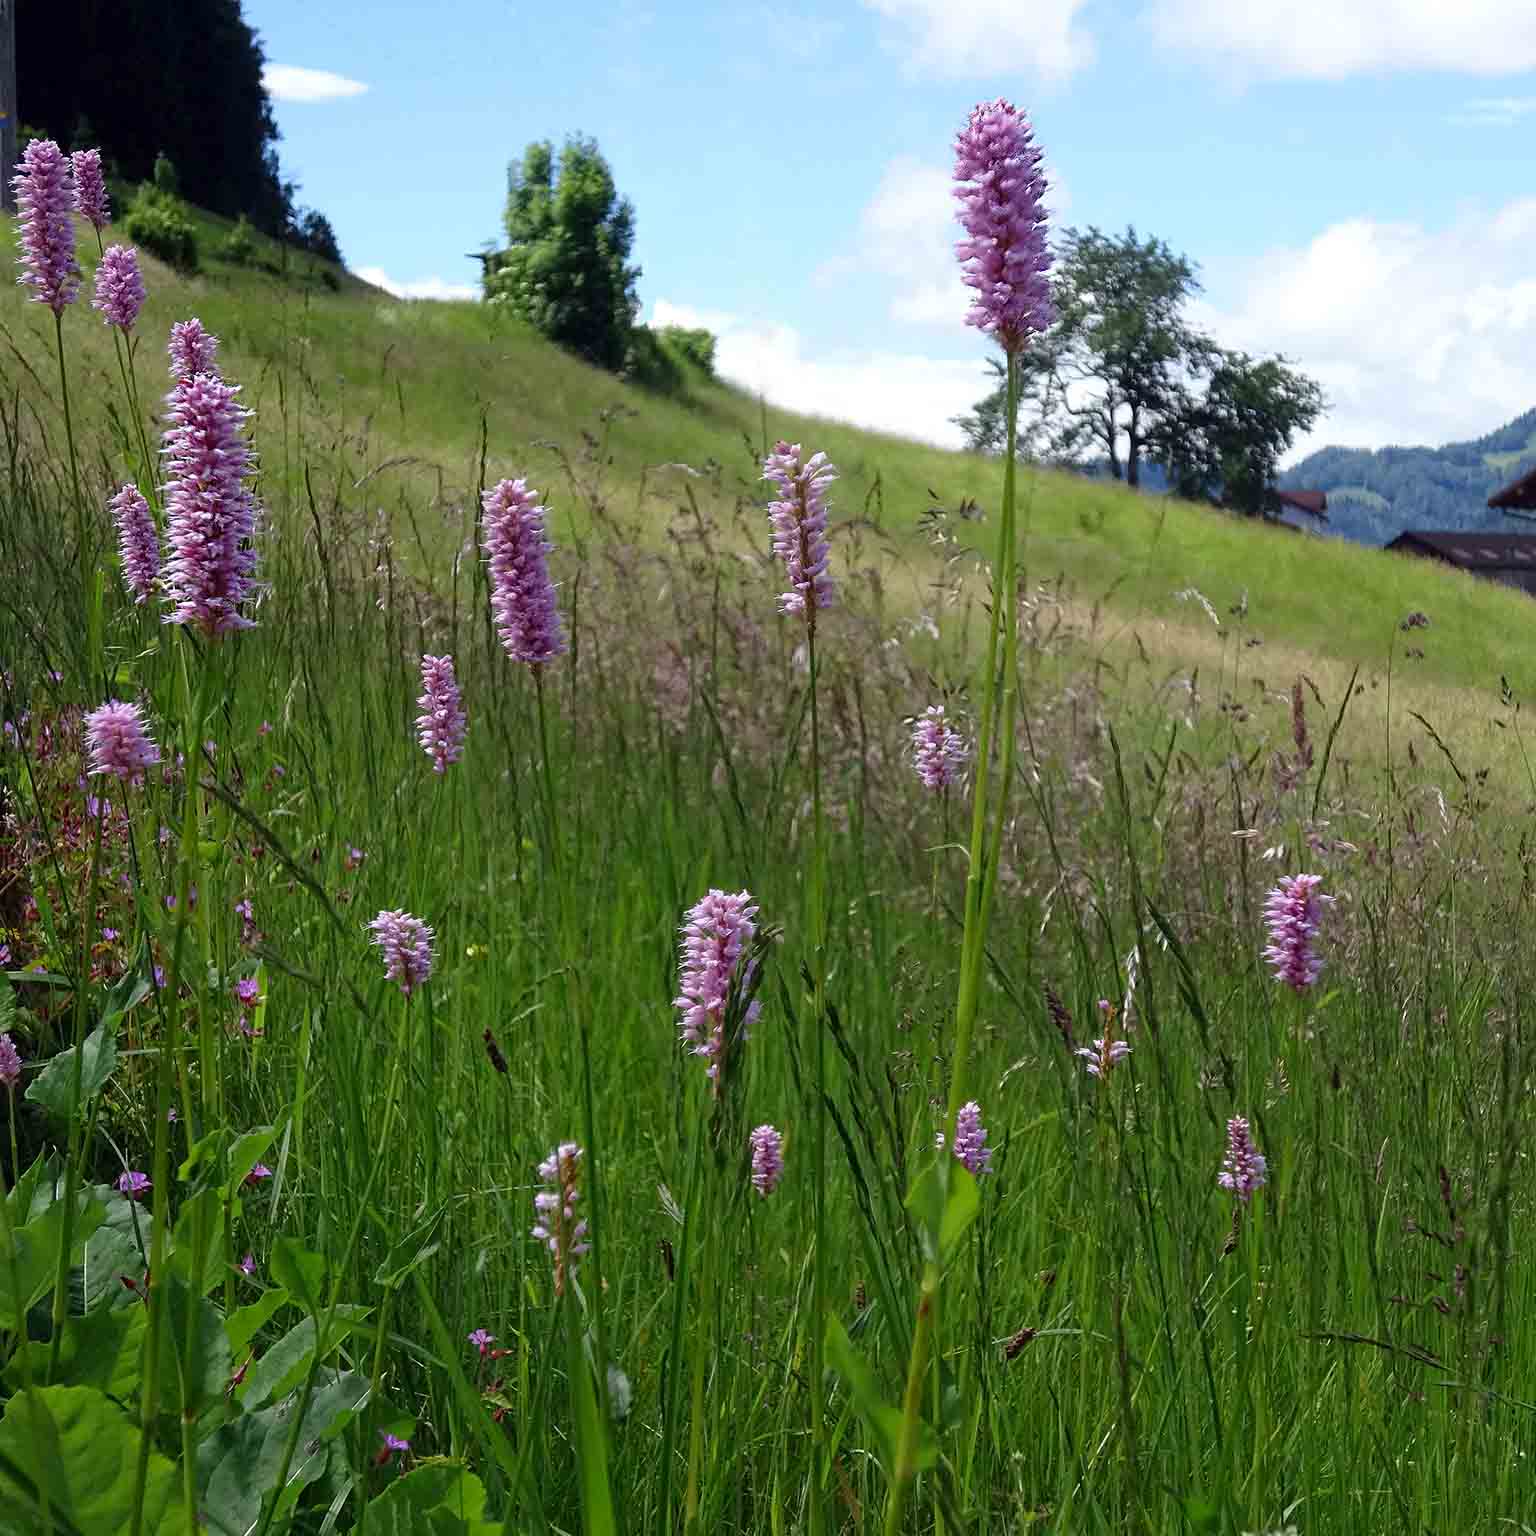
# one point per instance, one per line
(383, 400)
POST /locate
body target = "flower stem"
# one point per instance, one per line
(818, 1008)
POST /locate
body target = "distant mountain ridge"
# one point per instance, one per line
(1376, 494)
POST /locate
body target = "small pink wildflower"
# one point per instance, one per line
(407, 945)
(767, 1159)
(1243, 1169)
(1294, 913)
(133, 1184)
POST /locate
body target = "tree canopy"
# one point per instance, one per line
(143, 78)
(1124, 377)
(566, 266)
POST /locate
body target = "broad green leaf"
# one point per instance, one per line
(238, 1465)
(54, 1085)
(883, 1418)
(127, 993)
(118, 1247)
(438, 1498)
(286, 1364)
(199, 1224)
(960, 1209)
(79, 1446)
(925, 1205)
(302, 1273)
(36, 1251)
(415, 1248)
(102, 1349)
(247, 1151)
(243, 1326)
(194, 1352)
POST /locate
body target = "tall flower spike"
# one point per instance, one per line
(407, 945)
(1243, 1169)
(767, 1159)
(119, 287)
(558, 1227)
(971, 1139)
(90, 187)
(522, 595)
(715, 933)
(1004, 254)
(1101, 1058)
(118, 743)
(10, 1063)
(137, 543)
(1294, 913)
(45, 204)
(799, 520)
(939, 752)
(210, 512)
(191, 349)
(442, 722)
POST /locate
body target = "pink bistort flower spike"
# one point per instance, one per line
(1293, 911)
(522, 594)
(119, 287)
(971, 1139)
(558, 1227)
(798, 517)
(407, 945)
(210, 512)
(767, 1159)
(1005, 257)
(46, 226)
(1243, 1169)
(441, 725)
(90, 187)
(10, 1063)
(716, 932)
(118, 743)
(138, 545)
(939, 751)
(191, 349)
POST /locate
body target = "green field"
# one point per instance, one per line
(1120, 1345)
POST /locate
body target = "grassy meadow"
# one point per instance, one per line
(1119, 1345)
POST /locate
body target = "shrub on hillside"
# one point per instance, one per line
(698, 346)
(239, 246)
(166, 177)
(158, 222)
(652, 364)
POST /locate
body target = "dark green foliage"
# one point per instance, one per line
(1373, 495)
(1226, 446)
(178, 79)
(663, 361)
(311, 231)
(158, 222)
(166, 177)
(1116, 381)
(569, 236)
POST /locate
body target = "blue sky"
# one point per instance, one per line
(1355, 178)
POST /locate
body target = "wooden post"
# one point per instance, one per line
(8, 107)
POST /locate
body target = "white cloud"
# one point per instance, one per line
(1493, 112)
(291, 82)
(1331, 39)
(418, 288)
(907, 235)
(988, 37)
(1416, 335)
(902, 392)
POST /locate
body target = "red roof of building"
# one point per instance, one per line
(1313, 503)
